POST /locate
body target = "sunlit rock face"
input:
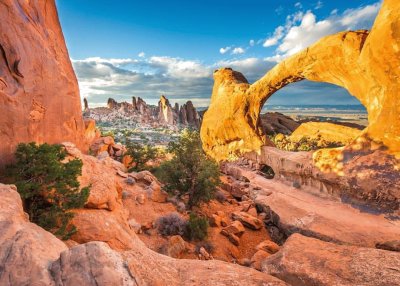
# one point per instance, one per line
(39, 95)
(365, 63)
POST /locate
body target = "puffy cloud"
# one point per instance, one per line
(238, 51)
(252, 68)
(179, 79)
(252, 43)
(141, 55)
(224, 50)
(272, 41)
(303, 29)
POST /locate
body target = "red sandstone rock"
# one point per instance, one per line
(307, 261)
(39, 94)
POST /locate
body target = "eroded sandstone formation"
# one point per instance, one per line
(39, 95)
(140, 112)
(365, 63)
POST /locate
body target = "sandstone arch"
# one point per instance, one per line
(367, 64)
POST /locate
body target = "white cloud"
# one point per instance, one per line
(319, 5)
(252, 43)
(272, 41)
(238, 51)
(252, 68)
(298, 5)
(224, 50)
(141, 55)
(121, 79)
(302, 30)
(179, 68)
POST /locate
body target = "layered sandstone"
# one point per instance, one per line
(365, 63)
(39, 95)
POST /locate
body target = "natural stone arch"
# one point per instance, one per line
(365, 63)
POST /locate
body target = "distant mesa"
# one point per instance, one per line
(164, 114)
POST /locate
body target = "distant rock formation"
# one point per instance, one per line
(275, 122)
(365, 63)
(166, 113)
(39, 94)
(140, 112)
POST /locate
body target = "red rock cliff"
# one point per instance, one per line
(39, 94)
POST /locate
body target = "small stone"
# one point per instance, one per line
(130, 181)
(141, 199)
(268, 246)
(137, 227)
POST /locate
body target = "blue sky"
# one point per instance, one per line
(126, 48)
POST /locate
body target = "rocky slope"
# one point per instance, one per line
(107, 251)
(140, 112)
(364, 63)
(39, 95)
(110, 253)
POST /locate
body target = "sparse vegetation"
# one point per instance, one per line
(171, 224)
(284, 142)
(190, 172)
(48, 186)
(141, 155)
(197, 227)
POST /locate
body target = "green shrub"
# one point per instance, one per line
(48, 186)
(141, 155)
(197, 227)
(190, 172)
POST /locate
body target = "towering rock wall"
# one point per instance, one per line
(39, 95)
(366, 64)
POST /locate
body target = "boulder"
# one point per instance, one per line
(248, 220)
(258, 259)
(235, 228)
(158, 195)
(304, 261)
(101, 225)
(93, 263)
(105, 190)
(26, 250)
(268, 246)
(176, 246)
(135, 226)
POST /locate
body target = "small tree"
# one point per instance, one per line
(140, 154)
(190, 172)
(48, 186)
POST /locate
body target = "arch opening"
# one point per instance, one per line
(306, 116)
